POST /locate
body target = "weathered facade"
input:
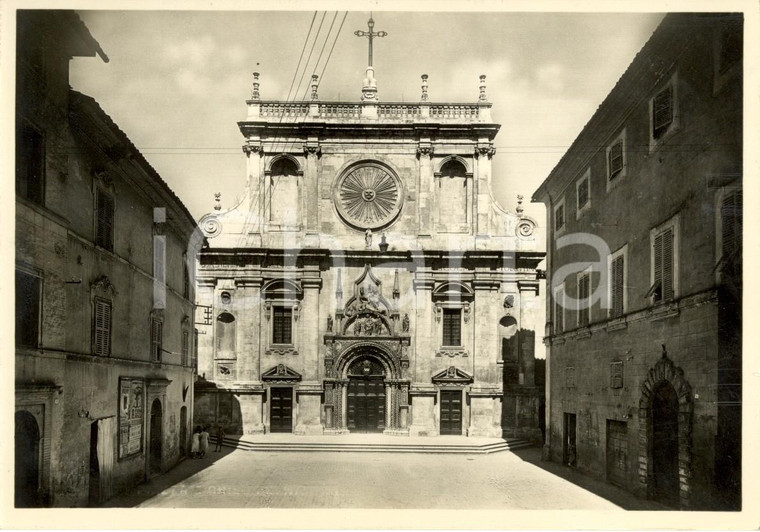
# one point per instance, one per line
(367, 281)
(644, 384)
(104, 294)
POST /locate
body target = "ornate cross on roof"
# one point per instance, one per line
(370, 34)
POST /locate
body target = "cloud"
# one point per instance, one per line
(551, 76)
(194, 51)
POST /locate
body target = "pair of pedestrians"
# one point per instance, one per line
(200, 441)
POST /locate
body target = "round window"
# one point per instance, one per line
(369, 196)
(226, 298)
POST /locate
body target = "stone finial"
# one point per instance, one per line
(314, 85)
(255, 92)
(519, 204)
(482, 96)
(424, 96)
(218, 204)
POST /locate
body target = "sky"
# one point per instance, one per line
(177, 81)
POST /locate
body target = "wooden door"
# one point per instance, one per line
(366, 404)
(617, 452)
(451, 412)
(280, 410)
(569, 455)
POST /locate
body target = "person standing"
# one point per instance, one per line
(219, 438)
(195, 449)
(204, 441)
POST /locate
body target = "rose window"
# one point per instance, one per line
(369, 196)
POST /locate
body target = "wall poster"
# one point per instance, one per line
(131, 416)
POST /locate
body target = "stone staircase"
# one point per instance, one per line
(365, 443)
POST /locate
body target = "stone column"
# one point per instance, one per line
(388, 407)
(343, 406)
(255, 185)
(426, 192)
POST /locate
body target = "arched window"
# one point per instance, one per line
(284, 199)
(225, 335)
(452, 193)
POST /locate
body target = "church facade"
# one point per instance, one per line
(367, 281)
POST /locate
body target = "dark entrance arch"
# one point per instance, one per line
(665, 411)
(27, 486)
(366, 395)
(665, 443)
(156, 437)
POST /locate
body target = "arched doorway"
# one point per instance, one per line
(27, 456)
(366, 395)
(156, 437)
(183, 431)
(665, 443)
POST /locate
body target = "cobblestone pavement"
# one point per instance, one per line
(244, 479)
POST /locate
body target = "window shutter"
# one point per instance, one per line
(616, 158)
(617, 286)
(559, 218)
(731, 221)
(185, 347)
(583, 293)
(662, 112)
(667, 265)
(583, 193)
(558, 317)
(105, 220)
(658, 267)
(452, 327)
(102, 327)
(156, 339)
(159, 258)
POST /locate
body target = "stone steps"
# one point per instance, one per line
(375, 447)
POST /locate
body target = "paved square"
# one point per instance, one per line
(506, 480)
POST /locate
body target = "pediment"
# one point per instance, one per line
(452, 375)
(280, 373)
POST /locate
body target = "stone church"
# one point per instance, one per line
(367, 281)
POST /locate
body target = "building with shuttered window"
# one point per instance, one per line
(104, 365)
(367, 281)
(644, 264)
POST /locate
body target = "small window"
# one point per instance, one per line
(185, 278)
(583, 193)
(615, 159)
(185, 348)
(104, 220)
(559, 216)
(30, 162)
(584, 291)
(156, 339)
(452, 327)
(28, 296)
(559, 310)
(282, 327)
(664, 262)
(662, 112)
(616, 375)
(102, 327)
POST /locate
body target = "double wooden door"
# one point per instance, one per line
(617, 452)
(451, 412)
(366, 404)
(280, 410)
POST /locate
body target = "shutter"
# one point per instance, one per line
(583, 310)
(105, 220)
(731, 221)
(156, 339)
(616, 158)
(658, 267)
(102, 327)
(667, 265)
(559, 218)
(662, 112)
(185, 347)
(617, 286)
(583, 193)
(159, 258)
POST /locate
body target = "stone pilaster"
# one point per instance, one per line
(313, 152)
(426, 192)
(483, 152)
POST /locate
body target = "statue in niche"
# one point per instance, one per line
(281, 369)
(329, 323)
(368, 238)
(405, 323)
